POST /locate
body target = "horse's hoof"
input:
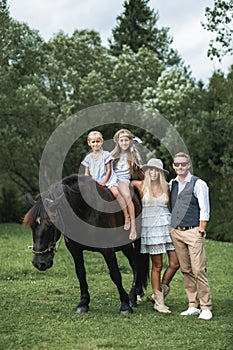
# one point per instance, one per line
(82, 309)
(132, 303)
(132, 300)
(127, 311)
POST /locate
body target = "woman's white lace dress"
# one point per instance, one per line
(156, 226)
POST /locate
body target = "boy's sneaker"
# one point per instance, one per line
(191, 311)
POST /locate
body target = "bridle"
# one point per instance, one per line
(56, 235)
(51, 247)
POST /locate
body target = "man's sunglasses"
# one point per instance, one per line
(183, 164)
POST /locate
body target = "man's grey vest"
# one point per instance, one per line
(185, 207)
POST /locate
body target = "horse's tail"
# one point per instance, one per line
(143, 267)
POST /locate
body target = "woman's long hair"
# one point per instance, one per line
(147, 189)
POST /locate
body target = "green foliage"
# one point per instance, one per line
(44, 83)
(172, 95)
(23, 136)
(211, 146)
(219, 22)
(223, 230)
(137, 28)
(24, 106)
(133, 73)
(74, 62)
(203, 118)
(39, 308)
(12, 208)
(215, 124)
(5, 21)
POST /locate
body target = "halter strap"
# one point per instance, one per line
(51, 247)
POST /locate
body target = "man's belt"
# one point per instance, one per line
(184, 228)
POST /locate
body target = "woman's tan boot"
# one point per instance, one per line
(159, 302)
(165, 289)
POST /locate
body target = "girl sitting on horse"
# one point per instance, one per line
(127, 161)
(98, 165)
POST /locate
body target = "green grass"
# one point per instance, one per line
(38, 309)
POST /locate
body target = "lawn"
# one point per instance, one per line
(38, 309)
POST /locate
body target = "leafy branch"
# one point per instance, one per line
(219, 22)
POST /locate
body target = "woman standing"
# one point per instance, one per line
(156, 227)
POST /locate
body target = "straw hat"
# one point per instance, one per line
(154, 163)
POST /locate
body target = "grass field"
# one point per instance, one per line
(38, 308)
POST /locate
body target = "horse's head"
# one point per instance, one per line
(44, 234)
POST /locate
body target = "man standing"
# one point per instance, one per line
(190, 214)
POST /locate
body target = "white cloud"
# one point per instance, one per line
(49, 16)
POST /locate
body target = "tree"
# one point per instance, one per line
(132, 73)
(41, 85)
(218, 124)
(137, 27)
(4, 23)
(75, 62)
(220, 22)
(203, 118)
(22, 100)
(172, 95)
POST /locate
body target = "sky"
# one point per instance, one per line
(183, 17)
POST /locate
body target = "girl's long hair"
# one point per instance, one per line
(147, 189)
(133, 155)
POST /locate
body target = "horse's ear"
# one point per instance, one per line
(29, 199)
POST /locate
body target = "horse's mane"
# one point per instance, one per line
(36, 211)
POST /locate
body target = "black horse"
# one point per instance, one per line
(96, 230)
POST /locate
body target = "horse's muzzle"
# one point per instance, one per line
(43, 262)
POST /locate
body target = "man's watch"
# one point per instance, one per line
(202, 233)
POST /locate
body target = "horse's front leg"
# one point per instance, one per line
(129, 253)
(111, 261)
(77, 253)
